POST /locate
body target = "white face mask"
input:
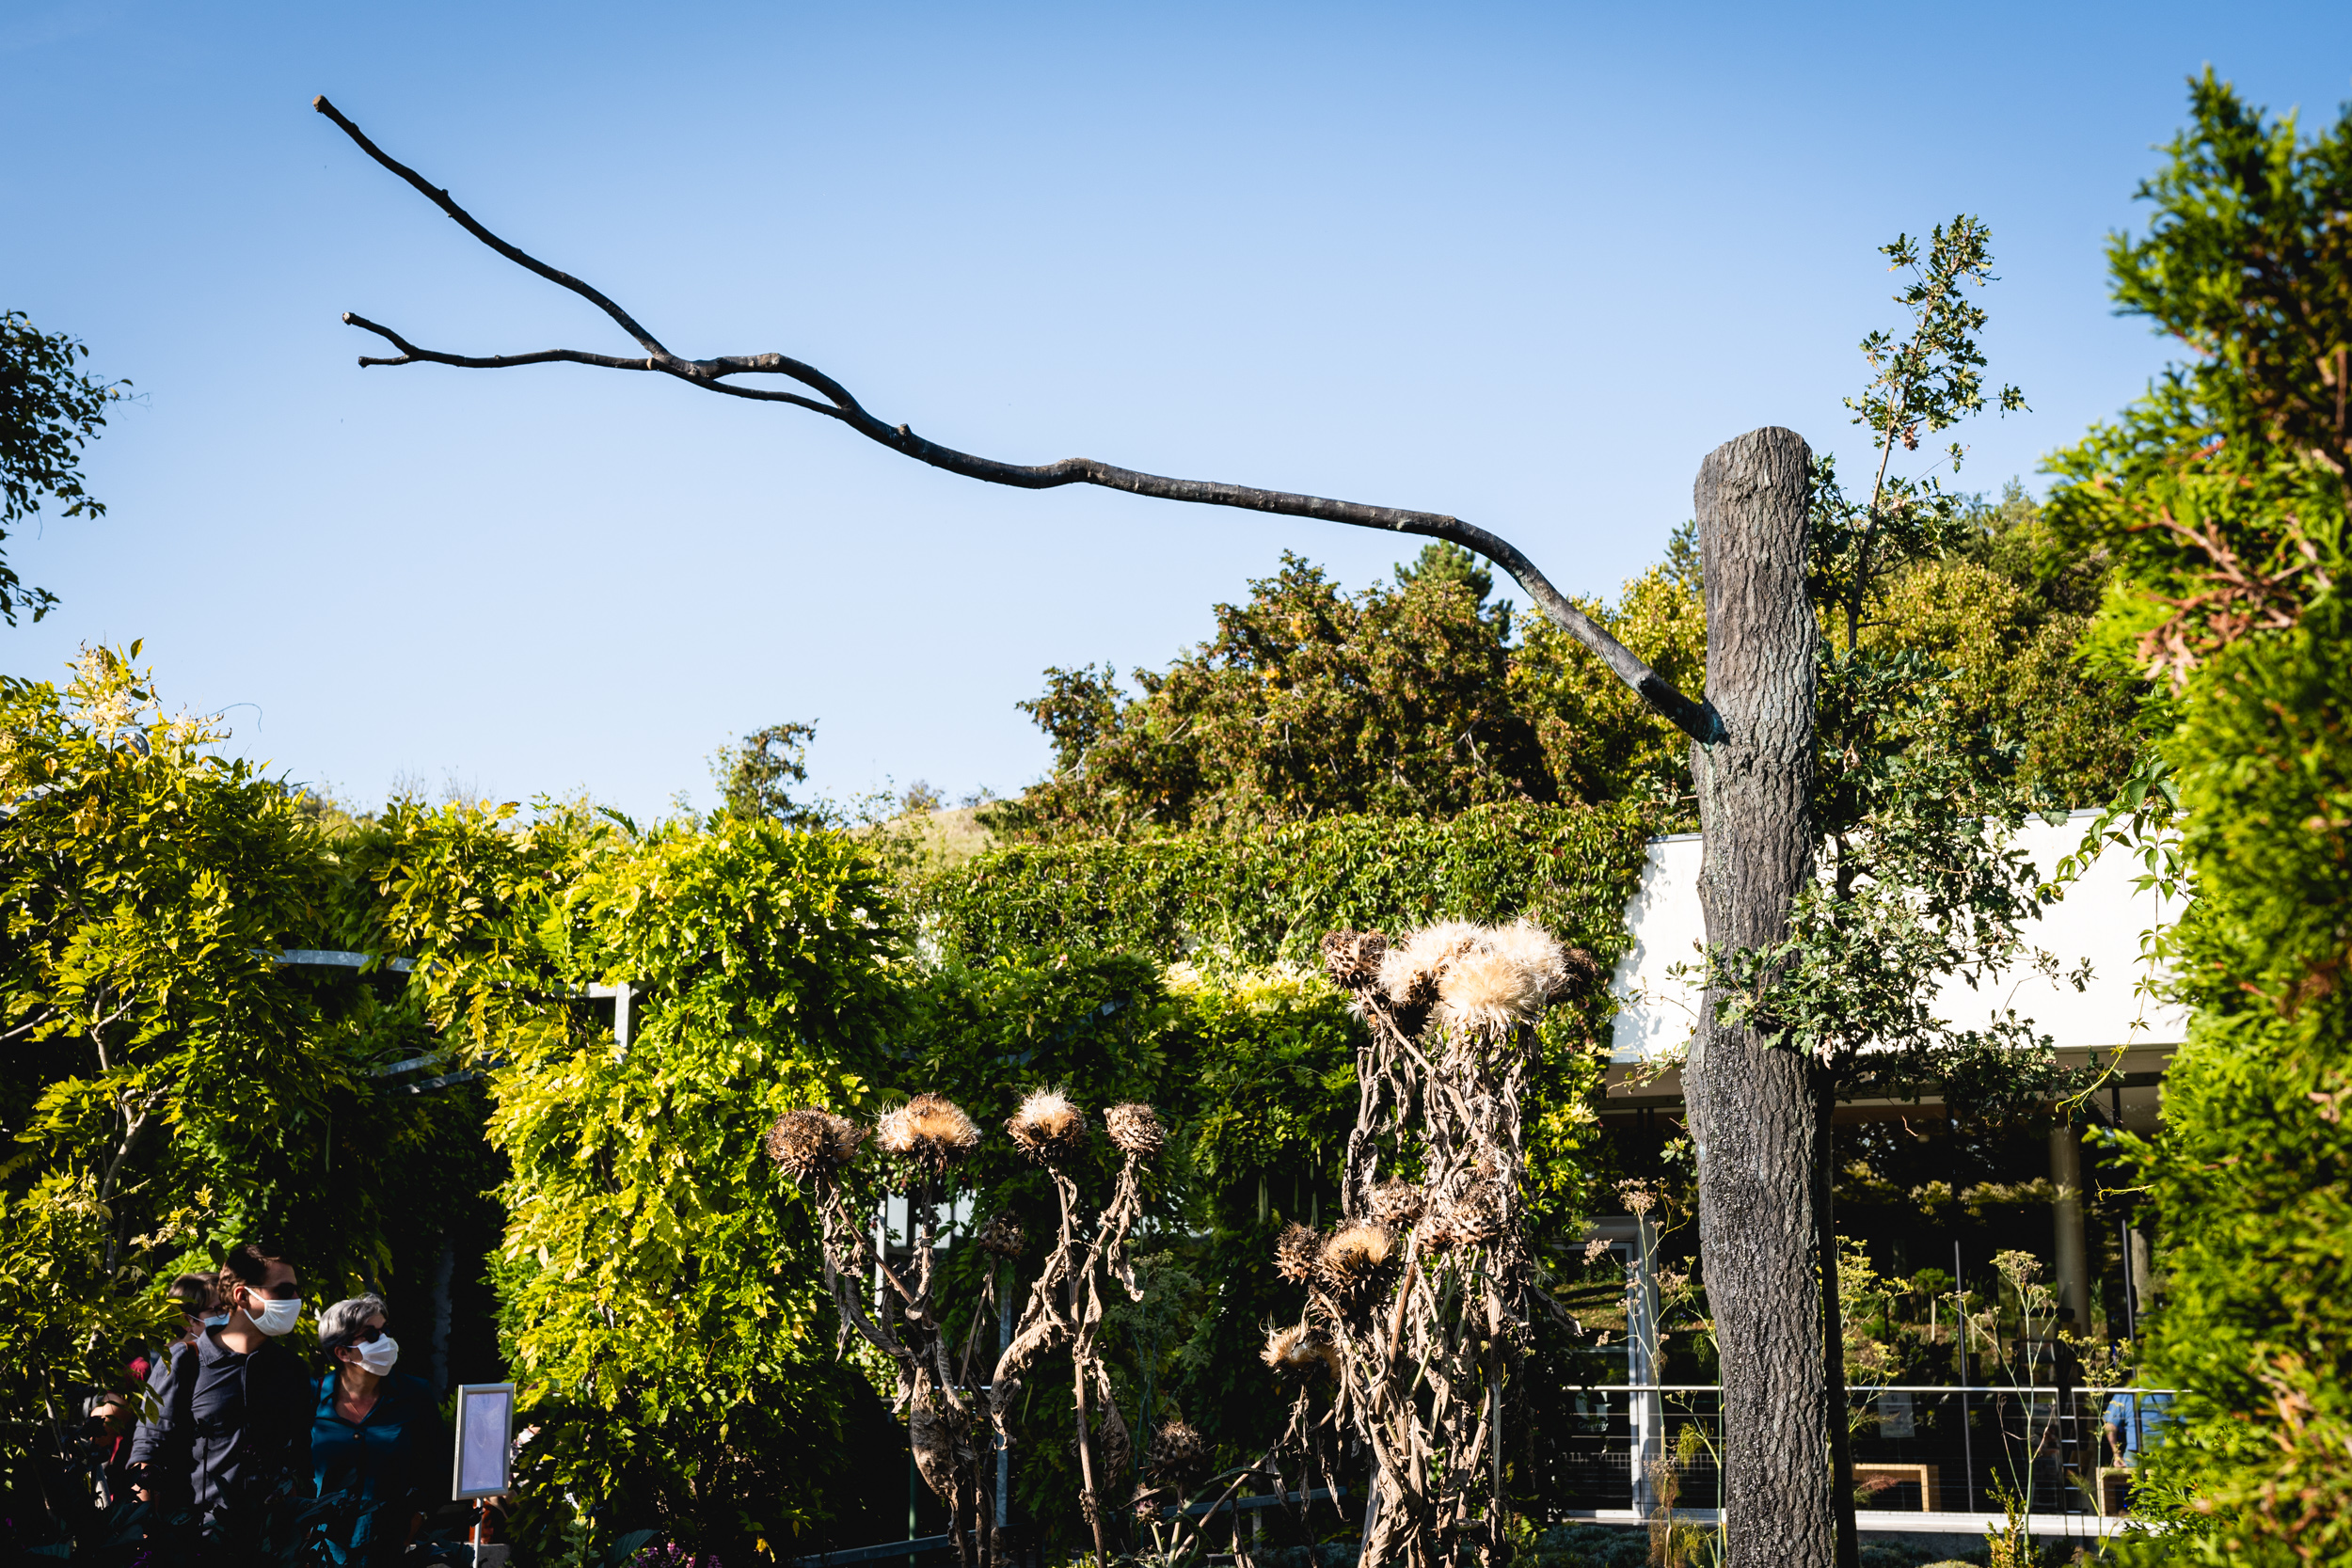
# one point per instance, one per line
(276, 1317)
(378, 1354)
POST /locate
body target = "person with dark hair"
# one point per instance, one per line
(231, 1428)
(199, 1295)
(377, 1450)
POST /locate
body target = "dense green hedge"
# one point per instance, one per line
(1255, 898)
(2253, 1176)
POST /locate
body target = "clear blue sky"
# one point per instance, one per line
(1522, 264)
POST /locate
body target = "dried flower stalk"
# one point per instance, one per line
(1421, 1293)
(1065, 1305)
(907, 1320)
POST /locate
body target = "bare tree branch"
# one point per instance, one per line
(1696, 719)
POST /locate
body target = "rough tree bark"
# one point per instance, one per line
(1752, 757)
(1754, 1115)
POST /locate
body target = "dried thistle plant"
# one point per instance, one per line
(1136, 1129)
(1295, 1252)
(1395, 1203)
(1422, 1292)
(1003, 1237)
(930, 1129)
(1354, 1262)
(811, 1143)
(906, 1319)
(1301, 1351)
(1048, 1128)
(1065, 1306)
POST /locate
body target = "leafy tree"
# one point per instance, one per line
(49, 411)
(755, 778)
(1996, 600)
(2221, 495)
(1306, 702)
(2006, 609)
(1442, 560)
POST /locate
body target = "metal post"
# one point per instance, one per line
(1967, 1444)
(2131, 1290)
(1646, 1413)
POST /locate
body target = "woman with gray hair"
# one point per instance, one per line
(377, 1443)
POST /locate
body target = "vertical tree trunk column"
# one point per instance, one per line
(1753, 1113)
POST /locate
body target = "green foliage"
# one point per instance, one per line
(49, 411)
(659, 1277)
(1443, 561)
(2221, 494)
(1256, 899)
(755, 778)
(68, 1299)
(1601, 741)
(1922, 385)
(1228, 905)
(1307, 702)
(1183, 969)
(165, 1085)
(1916, 804)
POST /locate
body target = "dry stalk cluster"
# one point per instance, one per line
(905, 1318)
(926, 1139)
(1417, 1299)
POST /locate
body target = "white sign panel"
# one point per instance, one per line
(485, 1438)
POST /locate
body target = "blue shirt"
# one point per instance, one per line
(2141, 1418)
(378, 1473)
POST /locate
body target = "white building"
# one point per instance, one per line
(2102, 919)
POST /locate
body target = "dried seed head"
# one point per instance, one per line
(1002, 1236)
(929, 1128)
(1490, 993)
(1396, 1203)
(1535, 951)
(1474, 1218)
(1410, 974)
(1177, 1453)
(1353, 1258)
(1048, 1128)
(1352, 958)
(1136, 1129)
(1301, 1352)
(1295, 1252)
(813, 1143)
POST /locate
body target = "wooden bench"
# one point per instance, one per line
(1922, 1476)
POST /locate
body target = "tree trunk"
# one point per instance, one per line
(1753, 1116)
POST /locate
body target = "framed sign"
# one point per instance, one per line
(485, 1439)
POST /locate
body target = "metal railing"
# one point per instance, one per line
(1919, 1449)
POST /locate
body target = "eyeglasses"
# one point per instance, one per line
(364, 1336)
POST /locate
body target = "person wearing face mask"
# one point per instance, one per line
(378, 1454)
(230, 1433)
(199, 1298)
